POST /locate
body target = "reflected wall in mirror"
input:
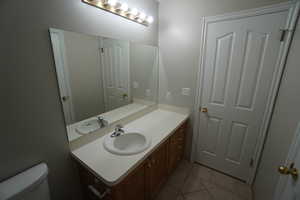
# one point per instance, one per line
(102, 78)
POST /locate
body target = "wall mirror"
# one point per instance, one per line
(102, 80)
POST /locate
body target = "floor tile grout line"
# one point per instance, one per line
(188, 169)
(207, 190)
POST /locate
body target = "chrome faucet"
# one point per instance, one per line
(118, 131)
(101, 121)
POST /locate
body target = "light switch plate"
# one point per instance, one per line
(148, 93)
(186, 91)
(135, 85)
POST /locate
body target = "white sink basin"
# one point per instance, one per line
(88, 127)
(127, 143)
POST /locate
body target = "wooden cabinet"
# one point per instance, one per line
(146, 180)
(176, 148)
(157, 170)
(133, 187)
(92, 187)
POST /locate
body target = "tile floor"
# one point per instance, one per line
(195, 182)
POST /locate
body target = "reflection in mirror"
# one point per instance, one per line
(102, 80)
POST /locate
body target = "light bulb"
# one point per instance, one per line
(124, 7)
(150, 19)
(112, 2)
(142, 16)
(134, 11)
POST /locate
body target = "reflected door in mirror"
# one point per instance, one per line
(115, 63)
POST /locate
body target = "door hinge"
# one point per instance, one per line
(284, 32)
(251, 164)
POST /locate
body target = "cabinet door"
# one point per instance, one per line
(157, 170)
(133, 187)
(176, 148)
(93, 188)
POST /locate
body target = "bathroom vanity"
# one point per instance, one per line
(106, 84)
(108, 176)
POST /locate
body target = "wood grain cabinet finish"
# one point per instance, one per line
(176, 148)
(157, 170)
(133, 186)
(146, 180)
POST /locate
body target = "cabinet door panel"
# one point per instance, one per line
(133, 187)
(176, 148)
(157, 169)
(88, 179)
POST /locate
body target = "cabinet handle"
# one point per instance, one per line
(97, 193)
(149, 164)
(153, 161)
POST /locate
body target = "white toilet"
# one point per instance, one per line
(31, 184)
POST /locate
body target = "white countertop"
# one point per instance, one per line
(111, 168)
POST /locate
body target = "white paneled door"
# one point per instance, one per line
(115, 64)
(240, 65)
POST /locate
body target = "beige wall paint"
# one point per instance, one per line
(283, 125)
(34, 128)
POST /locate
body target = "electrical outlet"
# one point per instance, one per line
(186, 91)
(168, 95)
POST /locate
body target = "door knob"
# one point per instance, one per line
(294, 172)
(204, 110)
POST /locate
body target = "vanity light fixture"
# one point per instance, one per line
(150, 19)
(134, 12)
(122, 9)
(112, 2)
(142, 16)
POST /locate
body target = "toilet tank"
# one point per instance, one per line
(31, 184)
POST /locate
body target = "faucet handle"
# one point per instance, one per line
(100, 118)
(119, 126)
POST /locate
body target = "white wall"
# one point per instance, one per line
(33, 128)
(85, 74)
(283, 125)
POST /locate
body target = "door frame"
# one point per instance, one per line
(282, 183)
(292, 7)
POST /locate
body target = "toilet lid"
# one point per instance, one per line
(23, 181)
